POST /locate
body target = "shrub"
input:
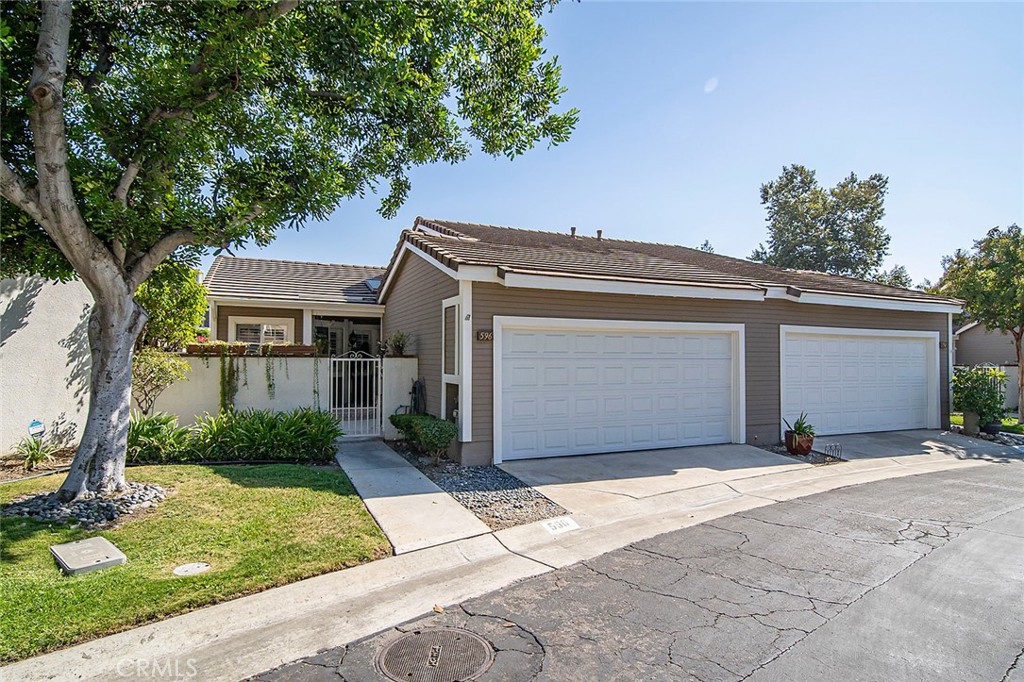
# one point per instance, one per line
(157, 438)
(302, 434)
(34, 451)
(431, 435)
(396, 343)
(153, 370)
(979, 390)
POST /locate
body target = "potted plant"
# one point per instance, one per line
(978, 393)
(396, 343)
(799, 436)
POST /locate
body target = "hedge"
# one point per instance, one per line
(431, 435)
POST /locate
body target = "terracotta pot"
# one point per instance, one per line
(798, 445)
(293, 350)
(971, 423)
(213, 350)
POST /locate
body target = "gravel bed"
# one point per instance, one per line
(92, 512)
(496, 497)
(1010, 439)
(813, 458)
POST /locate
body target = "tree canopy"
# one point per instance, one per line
(990, 280)
(136, 130)
(837, 230)
(175, 301)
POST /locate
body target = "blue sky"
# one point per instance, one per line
(686, 109)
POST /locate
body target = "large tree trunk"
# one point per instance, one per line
(98, 467)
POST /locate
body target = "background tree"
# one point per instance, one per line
(131, 131)
(836, 230)
(153, 370)
(706, 247)
(897, 277)
(990, 280)
(175, 301)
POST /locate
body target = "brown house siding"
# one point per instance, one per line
(224, 312)
(413, 305)
(762, 320)
(978, 345)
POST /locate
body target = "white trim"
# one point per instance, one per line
(604, 286)
(466, 361)
(288, 322)
(739, 379)
(446, 378)
(950, 350)
(307, 326)
(934, 404)
(878, 303)
(404, 249)
(336, 309)
(213, 320)
(966, 328)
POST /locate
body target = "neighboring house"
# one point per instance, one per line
(547, 344)
(975, 344)
(44, 359)
(260, 300)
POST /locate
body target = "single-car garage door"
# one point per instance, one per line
(860, 380)
(573, 391)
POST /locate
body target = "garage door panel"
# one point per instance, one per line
(616, 391)
(857, 383)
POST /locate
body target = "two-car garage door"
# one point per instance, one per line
(569, 391)
(857, 381)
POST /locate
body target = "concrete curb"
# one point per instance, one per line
(231, 641)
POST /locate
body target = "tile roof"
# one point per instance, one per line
(515, 250)
(288, 280)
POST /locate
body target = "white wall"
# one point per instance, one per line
(399, 373)
(200, 393)
(44, 358)
(1011, 398)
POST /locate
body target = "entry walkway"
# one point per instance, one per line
(411, 510)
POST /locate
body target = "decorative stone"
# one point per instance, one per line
(83, 556)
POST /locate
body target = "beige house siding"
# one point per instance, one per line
(413, 305)
(978, 345)
(762, 320)
(225, 311)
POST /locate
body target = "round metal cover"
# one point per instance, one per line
(192, 569)
(436, 655)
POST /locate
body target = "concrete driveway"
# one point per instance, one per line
(919, 442)
(590, 484)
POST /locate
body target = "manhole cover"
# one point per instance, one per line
(436, 655)
(192, 569)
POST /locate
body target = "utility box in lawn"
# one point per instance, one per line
(83, 556)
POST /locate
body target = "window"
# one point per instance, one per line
(261, 331)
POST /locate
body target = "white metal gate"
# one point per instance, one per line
(356, 393)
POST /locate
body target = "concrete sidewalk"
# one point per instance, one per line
(237, 639)
(411, 510)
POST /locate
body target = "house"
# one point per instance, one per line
(975, 344)
(547, 344)
(260, 300)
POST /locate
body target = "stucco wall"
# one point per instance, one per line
(44, 359)
(199, 394)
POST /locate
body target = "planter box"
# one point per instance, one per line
(214, 349)
(293, 350)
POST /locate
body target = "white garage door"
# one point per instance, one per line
(581, 391)
(857, 383)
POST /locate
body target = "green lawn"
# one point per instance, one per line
(259, 526)
(1009, 423)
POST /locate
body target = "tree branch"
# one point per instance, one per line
(127, 178)
(144, 266)
(14, 189)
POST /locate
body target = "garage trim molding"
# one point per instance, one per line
(934, 404)
(736, 331)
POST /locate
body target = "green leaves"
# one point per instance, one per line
(836, 230)
(176, 303)
(990, 280)
(246, 117)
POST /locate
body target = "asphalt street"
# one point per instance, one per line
(917, 578)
